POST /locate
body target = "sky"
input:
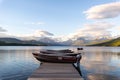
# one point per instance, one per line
(60, 18)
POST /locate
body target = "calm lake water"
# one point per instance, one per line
(98, 63)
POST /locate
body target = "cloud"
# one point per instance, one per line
(5, 35)
(103, 11)
(89, 31)
(37, 33)
(35, 23)
(118, 28)
(2, 30)
(115, 31)
(42, 33)
(94, 30)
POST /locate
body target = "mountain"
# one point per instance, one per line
(64, 40)
(83, 41)
(49, 41)
(10, 40)
(80, 41)
(34, 42)
(17, 42)
(113, 42)
(2, 42)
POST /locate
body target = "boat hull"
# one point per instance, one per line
(57, 58)
(56, 51)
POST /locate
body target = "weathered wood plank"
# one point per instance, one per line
(56, 79)
(55, 71)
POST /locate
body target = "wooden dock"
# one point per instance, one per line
(56, 71)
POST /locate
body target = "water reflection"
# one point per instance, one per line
(98, 63)
(16, 64)
(101, 64)
(101, 77)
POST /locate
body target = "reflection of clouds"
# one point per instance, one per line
(101, 56)
(101, 60)
(119, 64)
(98, 67)
(96, 56)
(102, 49)
(101, 77)
(116, 57)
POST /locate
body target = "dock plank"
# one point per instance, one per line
(55, 71)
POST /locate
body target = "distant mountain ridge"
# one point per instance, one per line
(113, 42)
(11, 40)
(46, 41)
(17, 42)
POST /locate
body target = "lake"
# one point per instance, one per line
(98, 63)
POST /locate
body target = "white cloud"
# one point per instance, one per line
(2, 30)
(115, 31)
(35, 23)
(5, 35)
(103, 11)
(89, 31)
(94, 30)
(42, 33)
(118, 28)
(37, 33)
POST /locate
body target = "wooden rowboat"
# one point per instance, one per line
(56, 51)
(58, 58)
(59, 51)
